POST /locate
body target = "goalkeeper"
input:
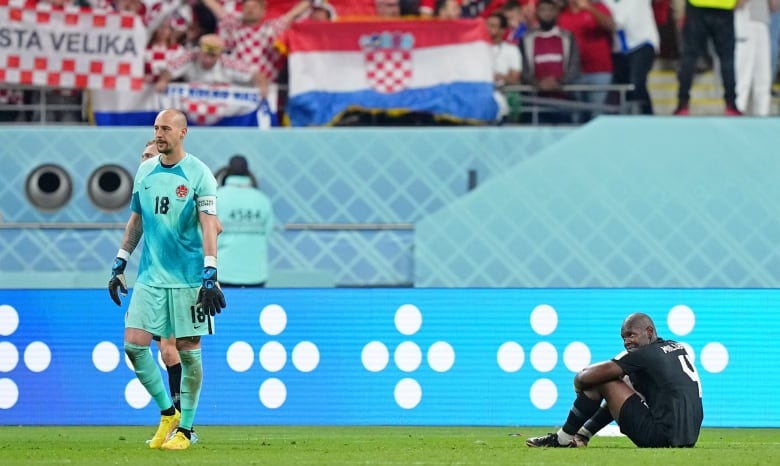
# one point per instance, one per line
(176, 292)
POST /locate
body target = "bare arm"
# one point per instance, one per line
(605, 21)
(597, 374)
(211, 227)
(134, 230)
(297, 10)
(261, 81)
(216, 8)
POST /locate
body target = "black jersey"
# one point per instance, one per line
(664, 374)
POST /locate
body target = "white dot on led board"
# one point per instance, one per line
(408, 319)
(272, 393)
(375, 356)
(273, 319)
(510, 356)
(240, 356)
(407, 393)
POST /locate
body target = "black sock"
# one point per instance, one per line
(584, 408)
(174, 382)
(598, 421)
(168, 412)
(187, 433)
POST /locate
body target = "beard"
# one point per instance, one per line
(546, 25)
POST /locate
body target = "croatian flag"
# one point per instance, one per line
(439, 67)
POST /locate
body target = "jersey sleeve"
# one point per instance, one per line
(632, 361)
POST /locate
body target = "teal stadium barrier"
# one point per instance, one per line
(621, 202)
(341, 177)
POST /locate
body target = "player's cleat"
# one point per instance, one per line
(193, 438)
(580, 440)
(177, 442)
(168, 425)
(549, 440)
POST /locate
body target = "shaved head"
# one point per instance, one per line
(639, 319)
(174, 117)
(637, 330)
(170, 127)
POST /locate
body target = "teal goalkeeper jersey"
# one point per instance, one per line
(166, 199)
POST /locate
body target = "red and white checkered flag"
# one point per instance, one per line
(388, 58)
(72, 48)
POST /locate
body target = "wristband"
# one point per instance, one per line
(210, 261)
(122, 254)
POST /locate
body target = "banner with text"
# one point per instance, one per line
(71, 48)
(204, 104)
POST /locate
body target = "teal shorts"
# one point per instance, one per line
(167, 311)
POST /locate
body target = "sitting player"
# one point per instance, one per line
(669, 415)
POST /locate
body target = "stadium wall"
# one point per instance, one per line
(381, 180)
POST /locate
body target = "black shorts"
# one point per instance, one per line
(638, 424)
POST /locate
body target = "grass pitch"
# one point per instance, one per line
(284, 445)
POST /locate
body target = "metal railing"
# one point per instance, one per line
(38, 107)
(533, 103)
(286, 227)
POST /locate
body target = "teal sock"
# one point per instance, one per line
(148, 374)
(191, 382)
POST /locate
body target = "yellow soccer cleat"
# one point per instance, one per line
(168, 425)
(177, 442)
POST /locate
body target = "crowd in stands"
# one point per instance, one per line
(546, 44)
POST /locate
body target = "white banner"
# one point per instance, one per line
(204, 104)
(71, 47)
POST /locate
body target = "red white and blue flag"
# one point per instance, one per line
(438, 67)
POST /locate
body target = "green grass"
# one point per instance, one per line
(269, 445)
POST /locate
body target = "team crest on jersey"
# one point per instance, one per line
(181, 191)
(388, 58)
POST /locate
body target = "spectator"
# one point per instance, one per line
(592, 27)
(388, 8)
(550, 58)
(467, 8)
(247, 216)
(752, 56)
(774, 36)
(250, 38)
(507, 63)
(10, 98)
(323, 12)
(520, 18)
(707, 19)
(635, 45)
(447, 9)
(410, 7)
(203, 22)
(162, 50)
(209, 65)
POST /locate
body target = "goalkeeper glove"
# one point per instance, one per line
(210, 297)
(117, 284)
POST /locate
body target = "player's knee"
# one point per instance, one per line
(170, 355)
(135, 352)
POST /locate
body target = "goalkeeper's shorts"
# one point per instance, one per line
(167, 311)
